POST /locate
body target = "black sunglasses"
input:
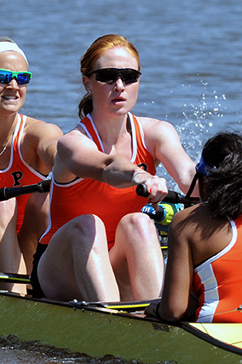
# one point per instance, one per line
(110, 75)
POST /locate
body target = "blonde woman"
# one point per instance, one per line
(27, 152)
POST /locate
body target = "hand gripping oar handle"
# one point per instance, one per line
(171, 197)
(9, 192)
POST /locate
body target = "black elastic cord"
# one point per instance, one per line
(191, 188)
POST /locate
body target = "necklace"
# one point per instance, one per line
(9, 139)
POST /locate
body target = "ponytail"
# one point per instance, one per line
(85, 106)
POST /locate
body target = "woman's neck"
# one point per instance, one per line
(115, 135)
(111, 128)
(7, 125)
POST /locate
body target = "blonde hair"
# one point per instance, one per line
(97, 48)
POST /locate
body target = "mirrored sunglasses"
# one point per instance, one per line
(22, 78)
(110, 75)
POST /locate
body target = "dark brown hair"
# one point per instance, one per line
(223, 153)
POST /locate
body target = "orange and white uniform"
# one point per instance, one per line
(217, 282)
(87, 196)
(18, 172)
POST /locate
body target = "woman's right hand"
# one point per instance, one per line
(156, 189)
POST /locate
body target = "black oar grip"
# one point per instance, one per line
(171, 197)
(9, 192)
(141, 190)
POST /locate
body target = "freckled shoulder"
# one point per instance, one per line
(155, 123)
(38, 127)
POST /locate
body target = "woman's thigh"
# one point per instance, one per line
(76, 261)
(136, 252)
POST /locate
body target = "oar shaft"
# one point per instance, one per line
(14, 278)
(7, 193)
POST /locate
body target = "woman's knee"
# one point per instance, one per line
(86, 225)
(137, 230)
(138, 220)
(88, 230)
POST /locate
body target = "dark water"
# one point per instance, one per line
(16, 352)
(191, 58)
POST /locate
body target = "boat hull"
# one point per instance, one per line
(100, 331)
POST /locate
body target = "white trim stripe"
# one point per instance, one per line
(134, 138)
(209, 281)
(39, 175)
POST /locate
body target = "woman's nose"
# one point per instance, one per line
(13, 83)
(119, 84)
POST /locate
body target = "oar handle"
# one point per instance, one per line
(171, 197)
(9, 192)
(155, 215)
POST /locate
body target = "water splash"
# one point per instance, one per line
(200, 121)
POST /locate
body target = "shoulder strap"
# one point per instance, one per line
(91, 130)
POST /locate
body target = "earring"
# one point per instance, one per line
(89, 91)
